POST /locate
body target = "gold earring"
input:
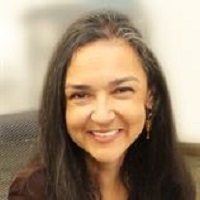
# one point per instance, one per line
(148, 123)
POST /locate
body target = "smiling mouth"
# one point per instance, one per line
(105, 135)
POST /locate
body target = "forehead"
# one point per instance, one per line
(104, 60)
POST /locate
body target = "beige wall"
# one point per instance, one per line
(174, 34)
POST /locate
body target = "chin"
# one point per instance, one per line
(107, 157)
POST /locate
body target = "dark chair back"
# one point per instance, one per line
(18, 138)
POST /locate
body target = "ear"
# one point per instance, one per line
(149, 100)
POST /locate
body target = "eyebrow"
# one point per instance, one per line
(111, 83)
(122, 80)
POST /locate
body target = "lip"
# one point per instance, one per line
(105, 138)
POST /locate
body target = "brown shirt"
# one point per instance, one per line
(29, 185)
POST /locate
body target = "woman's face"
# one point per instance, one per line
(106, 91)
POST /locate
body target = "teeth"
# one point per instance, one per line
(105, 134)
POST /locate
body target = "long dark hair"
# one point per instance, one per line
(152, 169)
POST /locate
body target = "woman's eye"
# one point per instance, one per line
(78, 96)
(123, 90)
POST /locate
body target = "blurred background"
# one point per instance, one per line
(29, 31)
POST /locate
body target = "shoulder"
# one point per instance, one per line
(30, 184)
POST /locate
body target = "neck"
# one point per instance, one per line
(107, 177)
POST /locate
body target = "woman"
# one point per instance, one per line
(106, 123)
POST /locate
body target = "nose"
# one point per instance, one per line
(103, 112)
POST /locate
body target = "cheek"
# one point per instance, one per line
(134, 115)
(137, 118)
(76, 118)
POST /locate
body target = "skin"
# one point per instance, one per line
(114, 97)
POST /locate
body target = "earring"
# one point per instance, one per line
(148, 123)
